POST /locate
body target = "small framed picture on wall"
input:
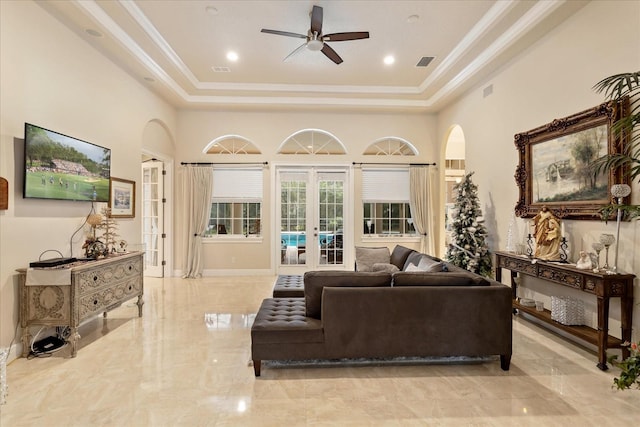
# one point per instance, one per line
(122, 198)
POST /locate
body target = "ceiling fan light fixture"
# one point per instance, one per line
(315, 45)
(315, 39)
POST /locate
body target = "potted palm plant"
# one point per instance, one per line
(616, 88)
(627, 128)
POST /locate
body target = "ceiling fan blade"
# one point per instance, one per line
(331, 54)
(283, 33)
(295, 52)
(340, 37)
(316, 20)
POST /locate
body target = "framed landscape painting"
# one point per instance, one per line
(556, 164)
(123, 198)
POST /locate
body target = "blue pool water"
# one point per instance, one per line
(292, 238)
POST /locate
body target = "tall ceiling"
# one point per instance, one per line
(178, 48)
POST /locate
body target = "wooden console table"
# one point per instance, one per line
(603, 286)
(96, 287)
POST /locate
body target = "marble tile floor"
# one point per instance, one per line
(186, 363)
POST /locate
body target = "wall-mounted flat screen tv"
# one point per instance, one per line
(60, 167)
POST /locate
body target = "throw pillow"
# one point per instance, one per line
(427, 267)
(399, 255)
(423, 262)
(387, 268)
(430, 266)
(366, 257)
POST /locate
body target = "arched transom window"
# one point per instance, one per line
(231, 144)
(391, 146)
(312, 141)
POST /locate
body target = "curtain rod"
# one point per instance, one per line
(221, 163)
(396, 164)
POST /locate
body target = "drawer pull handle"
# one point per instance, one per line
(95, 278)
(95, 302)
(130, 268)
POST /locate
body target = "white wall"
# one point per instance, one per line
(553, 79)
(52, 78)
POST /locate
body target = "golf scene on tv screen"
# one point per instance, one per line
(64, 168)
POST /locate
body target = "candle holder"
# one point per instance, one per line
(529, 245)
(619, 192)
(563, 249)
(597, 246)
(607, 240)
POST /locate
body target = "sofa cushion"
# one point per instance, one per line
(381, 266)
(283, 320)
(366, 257)
(399, 256)
(418, 278)
(316, 281)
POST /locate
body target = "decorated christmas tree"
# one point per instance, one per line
(468, 248)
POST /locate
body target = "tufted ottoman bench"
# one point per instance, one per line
(289, 286)
(280, 327)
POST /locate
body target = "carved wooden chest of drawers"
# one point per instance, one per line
(96, 287)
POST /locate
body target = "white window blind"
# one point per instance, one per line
(237, 184)
(385, 185)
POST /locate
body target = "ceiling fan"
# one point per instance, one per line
(316, 41)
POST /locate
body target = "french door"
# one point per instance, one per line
(153, 218)
(312, 215)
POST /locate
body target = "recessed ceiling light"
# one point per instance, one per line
(211, 10)
(413, 18)
(389, 59)
(92, 32)
(232, 56)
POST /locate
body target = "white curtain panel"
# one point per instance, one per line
(422, 203)
(197, 186)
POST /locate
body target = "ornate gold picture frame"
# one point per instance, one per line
(555, 164)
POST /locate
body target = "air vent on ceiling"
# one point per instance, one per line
(221, 69)
(424, 61)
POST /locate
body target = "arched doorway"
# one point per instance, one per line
(157, 201)
(454, 170)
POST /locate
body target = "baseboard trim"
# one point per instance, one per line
(231, 272)
(13, 353)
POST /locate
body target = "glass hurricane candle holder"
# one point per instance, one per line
(607, 240)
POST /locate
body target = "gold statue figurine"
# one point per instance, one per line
(547, 235)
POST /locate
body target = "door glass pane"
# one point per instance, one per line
(152, 218)
(293, 222)
(330, 221)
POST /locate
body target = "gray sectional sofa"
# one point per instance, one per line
(439, 310)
